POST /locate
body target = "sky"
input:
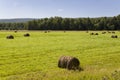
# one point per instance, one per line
(62, 8)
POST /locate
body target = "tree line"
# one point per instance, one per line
(59, 23)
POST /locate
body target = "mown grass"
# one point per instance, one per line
(36, 57)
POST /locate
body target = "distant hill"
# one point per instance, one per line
(16, 20)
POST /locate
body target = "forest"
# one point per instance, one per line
(59, 23)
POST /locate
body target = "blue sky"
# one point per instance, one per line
(62, 8)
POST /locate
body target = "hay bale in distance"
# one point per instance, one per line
(114, 36)
(10, 37)
(109, 32)
(103, 32)
(64, 31)
(96, 33)
(49, 31)
(113, 32)
(68, 62)
(26, 35)
(91, 33)
(15, 31)
(45, 31)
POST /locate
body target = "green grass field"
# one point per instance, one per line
(36, 57)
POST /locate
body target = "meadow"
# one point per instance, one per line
(36, 57)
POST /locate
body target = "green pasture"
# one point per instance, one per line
(36, 57)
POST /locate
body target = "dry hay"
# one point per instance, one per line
(10, 37)
(26, 35)
(114, 36)
(68, 62)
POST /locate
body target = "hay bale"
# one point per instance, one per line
(103, 32)
(96, 33)
(109, 32)
(64, 31)
(91, 33)
(45, 31)
(26, 35)
(15, 31)
(114, 36)
(113, 32)
(10, 37)
(49, 31)
(68, 62)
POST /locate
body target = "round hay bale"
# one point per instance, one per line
(64, 31)
(15, 31)
(103, 32)
(114, 36)
(26, 35)
(113, 32)
(73, 63)
(48, 31)
(109, 32)
(91, 33)
(10, 37)
(68, 62)
(96, 33)
(45, 31)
